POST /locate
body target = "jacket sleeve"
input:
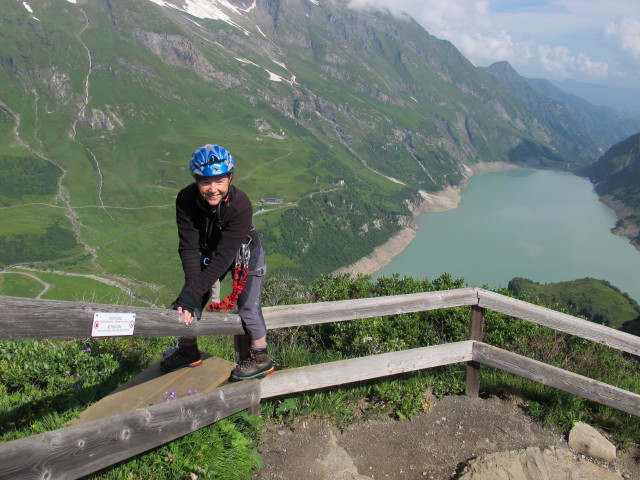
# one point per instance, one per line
(188, 239)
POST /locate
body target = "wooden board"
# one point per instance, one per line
(21, 318)
(152, 387)
(559, 321)
(558, 378)
(312, 377)
(78, 450)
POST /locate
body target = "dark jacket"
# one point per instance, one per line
(216, 235)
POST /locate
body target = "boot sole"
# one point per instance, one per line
(186, 365)
(260, 375)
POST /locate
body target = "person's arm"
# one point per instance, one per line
(189, 251)
(188, 241)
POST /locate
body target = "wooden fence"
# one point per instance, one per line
(78, 450)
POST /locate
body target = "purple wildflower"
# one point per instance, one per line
(170, 396)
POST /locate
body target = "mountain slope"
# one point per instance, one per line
(585, 130)
(616, 176)
(618, 98)
(596, 300)
(343, 114)
(604, 125)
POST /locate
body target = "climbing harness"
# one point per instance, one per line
(240, 272)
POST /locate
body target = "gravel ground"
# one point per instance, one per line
(433, 445)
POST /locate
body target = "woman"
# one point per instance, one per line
(214, 224)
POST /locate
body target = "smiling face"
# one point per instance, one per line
(214, 189)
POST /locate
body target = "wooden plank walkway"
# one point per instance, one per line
(152, 387)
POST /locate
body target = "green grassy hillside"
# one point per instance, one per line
(596, 300)
(617, 173)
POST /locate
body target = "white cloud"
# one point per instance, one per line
(560, 62)
(626, 32)
(483, 49)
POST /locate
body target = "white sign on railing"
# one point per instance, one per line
(113, 324)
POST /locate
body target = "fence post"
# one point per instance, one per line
(476, 332)
(241, 344)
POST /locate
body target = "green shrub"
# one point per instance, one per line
(224, 450)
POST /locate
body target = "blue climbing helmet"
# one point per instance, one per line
(211, 161)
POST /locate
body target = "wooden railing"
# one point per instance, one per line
(78, 450)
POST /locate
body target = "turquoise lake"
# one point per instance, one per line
(544, 225)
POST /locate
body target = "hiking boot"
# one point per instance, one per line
(179, 358)
(258, 365)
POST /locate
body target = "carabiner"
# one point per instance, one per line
(243, 255)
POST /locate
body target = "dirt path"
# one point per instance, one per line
(45, 285)
(432, 446)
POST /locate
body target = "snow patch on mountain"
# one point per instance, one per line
(30, 10)
(213, 9)
(274, 77)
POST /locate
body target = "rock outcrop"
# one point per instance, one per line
(586, 440)
(535, 463)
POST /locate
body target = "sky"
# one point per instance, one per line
(589, 41)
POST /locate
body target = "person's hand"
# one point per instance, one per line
(186, 316)
(186, 305)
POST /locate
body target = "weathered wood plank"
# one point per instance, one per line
(23, 318)
(476, 324)
(559, 321)
(558, 378)
(149, 387)
(356, 369)
(76, 451)
(338, 311)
